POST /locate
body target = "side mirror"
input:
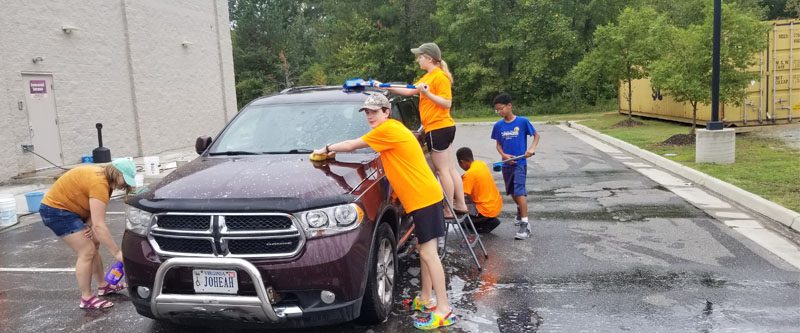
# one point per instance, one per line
(201, 144)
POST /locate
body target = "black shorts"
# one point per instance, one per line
(440, 139)
(428, 222)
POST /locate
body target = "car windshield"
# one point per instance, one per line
(291, 128)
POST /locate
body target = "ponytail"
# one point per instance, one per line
(443, 66)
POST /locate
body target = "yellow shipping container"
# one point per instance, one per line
(774, 99)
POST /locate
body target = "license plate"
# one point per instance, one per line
(215, 281)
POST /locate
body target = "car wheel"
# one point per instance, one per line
(378, 297)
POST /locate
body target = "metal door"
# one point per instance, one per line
(42, 121)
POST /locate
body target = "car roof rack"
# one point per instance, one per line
(298, 89)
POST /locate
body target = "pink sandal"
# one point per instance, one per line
(94, 303)
(110, 289)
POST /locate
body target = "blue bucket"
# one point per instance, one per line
(34, 200)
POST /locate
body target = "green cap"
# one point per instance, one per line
(429, 49)
(128, 170)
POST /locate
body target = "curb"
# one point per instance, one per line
(763, 206)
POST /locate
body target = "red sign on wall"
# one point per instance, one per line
(38, 87)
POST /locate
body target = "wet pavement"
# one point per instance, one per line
(611, 250)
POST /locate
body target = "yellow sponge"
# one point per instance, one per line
(317, 157)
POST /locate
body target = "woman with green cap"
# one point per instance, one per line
(75, 210)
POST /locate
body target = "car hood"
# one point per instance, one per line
(263, 182)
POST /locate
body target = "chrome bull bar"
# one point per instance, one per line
(245, 308)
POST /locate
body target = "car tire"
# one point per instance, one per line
(379, 295)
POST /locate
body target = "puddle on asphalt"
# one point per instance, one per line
(519, 320)
(486, 303)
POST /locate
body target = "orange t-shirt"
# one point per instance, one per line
(405, 165)
(479, 184)
(432, 115)
(74, 188)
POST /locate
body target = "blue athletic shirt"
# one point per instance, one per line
(513, 136)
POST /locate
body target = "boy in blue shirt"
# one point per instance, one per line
(510, 134)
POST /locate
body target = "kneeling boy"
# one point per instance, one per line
(480, 187)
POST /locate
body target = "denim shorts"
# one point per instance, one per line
(62, 222)
(514, 178)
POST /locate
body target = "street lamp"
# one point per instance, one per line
(715, 124)
(715, 144)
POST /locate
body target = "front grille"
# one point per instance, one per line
(257, 222)
(254, 246)
(184, 222)
(185, 245)
(268, 235)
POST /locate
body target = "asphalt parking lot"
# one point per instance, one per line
(611, 250)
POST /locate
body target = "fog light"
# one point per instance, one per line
(143, 292)
(327, 297)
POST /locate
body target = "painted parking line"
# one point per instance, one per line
(36, 270)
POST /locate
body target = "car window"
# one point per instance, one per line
(409, 114)
(285, 127)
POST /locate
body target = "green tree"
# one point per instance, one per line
(273, 44)
(779, 9)
(373, 38)
(521, 47)
(623, 50)
(793, 8)
(684, 69)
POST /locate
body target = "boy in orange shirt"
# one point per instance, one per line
(480, 187)
(419, 193)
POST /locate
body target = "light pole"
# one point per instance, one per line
(715, 144)
(715, 123)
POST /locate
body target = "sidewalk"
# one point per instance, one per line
(42, 180)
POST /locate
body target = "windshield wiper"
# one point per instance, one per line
(291, 151)
(234, 152)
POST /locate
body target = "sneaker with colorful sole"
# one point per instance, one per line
(417, 304)
(435, 321)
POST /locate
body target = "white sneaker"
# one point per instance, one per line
(517, 223)
(524, 231)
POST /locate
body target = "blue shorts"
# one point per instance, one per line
(62, 222)
(514, 178)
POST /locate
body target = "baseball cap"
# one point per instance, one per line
(430, 49)
(376, 102)
(128, 170)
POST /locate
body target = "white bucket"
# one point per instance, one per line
(8, 211)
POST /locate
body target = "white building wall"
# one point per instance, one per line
(125, 67)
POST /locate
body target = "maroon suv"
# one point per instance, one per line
(252, 231)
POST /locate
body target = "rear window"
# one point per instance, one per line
(285, 127)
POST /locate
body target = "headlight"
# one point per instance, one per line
(331, 220)
(345, 215)
(317, 219)
(137, 220)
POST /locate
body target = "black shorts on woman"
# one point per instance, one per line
(440, 139)
(428, 222)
